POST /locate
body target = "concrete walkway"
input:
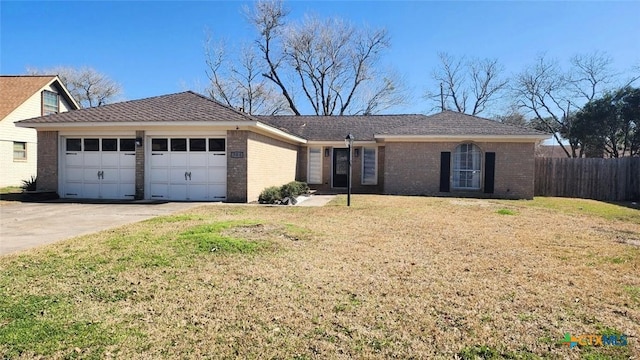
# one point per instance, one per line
(317, 200)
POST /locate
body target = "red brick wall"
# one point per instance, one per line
(47, 161)
(414, 168)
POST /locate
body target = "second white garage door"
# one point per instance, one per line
(188, 168)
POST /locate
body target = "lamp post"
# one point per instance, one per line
(349, 142)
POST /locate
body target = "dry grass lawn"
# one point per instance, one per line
(390, 277)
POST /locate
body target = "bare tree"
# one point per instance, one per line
(590, 74)
(88, 86)
(467, 85)
(330, 63)
(240, 84)
(553, 96)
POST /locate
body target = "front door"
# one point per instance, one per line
(340, 168)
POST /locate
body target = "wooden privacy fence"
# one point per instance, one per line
(589, 178)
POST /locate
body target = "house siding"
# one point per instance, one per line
(271, 162)
(13, 172)
(414, 169)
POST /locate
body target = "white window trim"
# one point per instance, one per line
(44, 105)
(23, 158)
(309, 164)
(480, 171)
(375, 165)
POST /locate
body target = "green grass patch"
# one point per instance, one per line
(634, 292)
(174, 218)
(208, 238)
(44, 325)
(573, 206)
(506, 212)
(10, 189)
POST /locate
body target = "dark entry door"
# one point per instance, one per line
(340, 167)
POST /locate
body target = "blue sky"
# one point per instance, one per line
(156, 47)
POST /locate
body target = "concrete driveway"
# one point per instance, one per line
(27, 225)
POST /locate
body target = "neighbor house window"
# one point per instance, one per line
(369, 166)
(49, 103)
(19, 151)
(466, 167)
(315, 166)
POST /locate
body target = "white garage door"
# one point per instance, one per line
(188, 168)
(99, 168)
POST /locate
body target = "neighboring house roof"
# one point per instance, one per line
(16, 89)
(180, 107)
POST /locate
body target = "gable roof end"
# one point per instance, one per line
(16, 89)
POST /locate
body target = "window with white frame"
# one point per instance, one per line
(467, 167)
(49, 103)
(315, 166)
(369, 166)
(19, 151)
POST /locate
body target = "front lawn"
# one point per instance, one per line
(390, 277)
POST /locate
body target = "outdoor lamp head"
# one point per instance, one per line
(348, 140)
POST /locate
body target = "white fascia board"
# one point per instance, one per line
(340, 144)
(158, 125)
(442, 138)
(280, 133)
(64, 88)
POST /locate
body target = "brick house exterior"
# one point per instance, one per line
(188, 147)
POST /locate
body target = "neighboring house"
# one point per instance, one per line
(187, 147)
(24, 97)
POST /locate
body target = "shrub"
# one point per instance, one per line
(275, 194)
(270, 195)
(294, 189)
(30, 184)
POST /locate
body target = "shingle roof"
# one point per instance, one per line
(184, 106)
(450, 123)
(336, 128)
(365, 127)
(16, 90)
(192, 107)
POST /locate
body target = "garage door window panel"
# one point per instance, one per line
(179, 145)
(127, 144)
(159, 145)
(217, 145)
(198, 145)
(109, 144)
(91, 144)
(74, 144)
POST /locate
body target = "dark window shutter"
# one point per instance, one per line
(489, 171)
(445, 170)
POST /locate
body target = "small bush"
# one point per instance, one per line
(270, 195)
(29, 185)
(294, 189)
(275, 194)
